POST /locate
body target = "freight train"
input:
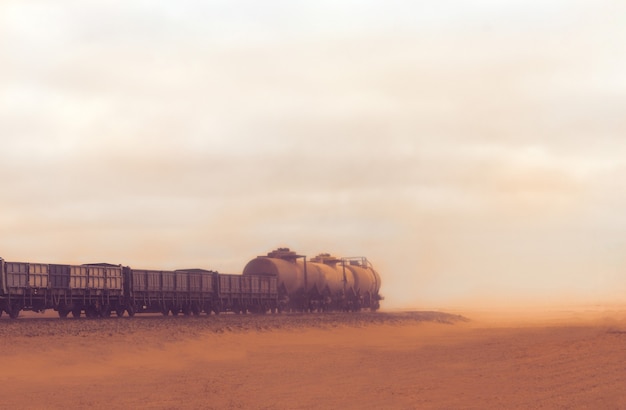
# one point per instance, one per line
(282, 280)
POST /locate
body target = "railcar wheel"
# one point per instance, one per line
(105, 311)
(165, 311)
(63, 312)
(131, 311)
(15, 312)
(76, 312)
(119, 311)
(195, 310)
(174, 311)
(186, 311)
(90, 312)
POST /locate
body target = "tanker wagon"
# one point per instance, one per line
(322, 283)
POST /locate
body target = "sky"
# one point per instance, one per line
(472, 150)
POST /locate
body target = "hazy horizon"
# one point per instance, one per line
(472, 150)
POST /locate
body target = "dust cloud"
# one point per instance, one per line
(472, 151)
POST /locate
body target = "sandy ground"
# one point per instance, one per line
(368, 361)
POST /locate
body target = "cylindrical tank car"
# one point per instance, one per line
(322, 283)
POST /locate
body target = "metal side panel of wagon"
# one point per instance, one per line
(26, 287)
(230, 293)
(201, 291)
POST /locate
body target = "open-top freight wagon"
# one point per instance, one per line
(97, 290)
(282, 280)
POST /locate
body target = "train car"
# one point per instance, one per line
(105, 289)
(190, 291)
(23, 286)
(323, 283)
(249, 293)
(143, 290)
(69, 287)
(200, 293)
(229, 294)
(94, 289)
(281, 280)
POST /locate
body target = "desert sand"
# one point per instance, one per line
(383, 360)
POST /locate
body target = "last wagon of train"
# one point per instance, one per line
(281, 280)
